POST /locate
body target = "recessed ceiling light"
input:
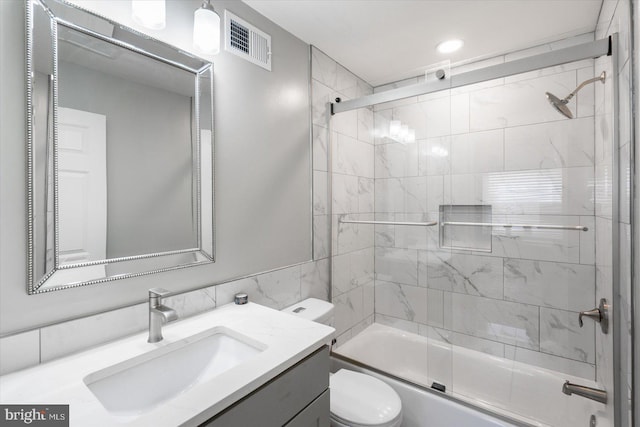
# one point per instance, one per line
(450, 46)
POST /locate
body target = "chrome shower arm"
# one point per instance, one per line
(601, 78)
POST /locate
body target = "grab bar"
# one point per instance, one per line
(419, 224)
(535, 226)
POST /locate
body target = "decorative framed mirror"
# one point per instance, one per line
(120, 151)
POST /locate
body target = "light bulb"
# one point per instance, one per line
(206, 30)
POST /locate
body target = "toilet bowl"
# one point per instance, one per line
(357, 399)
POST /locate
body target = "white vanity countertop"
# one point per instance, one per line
(288, 339)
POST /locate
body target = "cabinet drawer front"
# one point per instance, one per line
(279, 400)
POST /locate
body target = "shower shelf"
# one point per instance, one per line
(418, 224)
(532, 226)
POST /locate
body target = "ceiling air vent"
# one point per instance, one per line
(246, 41)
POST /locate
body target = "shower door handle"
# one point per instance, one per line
(600, 315)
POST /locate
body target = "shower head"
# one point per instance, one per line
(561, 104)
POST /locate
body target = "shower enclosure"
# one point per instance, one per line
(472, 223)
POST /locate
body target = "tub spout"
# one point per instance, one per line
(584, 391)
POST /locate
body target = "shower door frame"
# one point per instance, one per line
(591, 50)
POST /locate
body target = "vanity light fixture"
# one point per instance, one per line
(149, 13)
(450, 46)
(206, 29)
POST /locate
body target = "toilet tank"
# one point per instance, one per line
(313, 309)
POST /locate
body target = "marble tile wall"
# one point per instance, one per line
(350, 168)
(496, 143)
(615, 17)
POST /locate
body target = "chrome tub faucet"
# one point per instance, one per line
(158, 314)
(584, 391)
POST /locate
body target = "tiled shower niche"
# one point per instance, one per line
(465, 227)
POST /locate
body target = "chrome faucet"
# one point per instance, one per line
(584, 391)
(158, 313)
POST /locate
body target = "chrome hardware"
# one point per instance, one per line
(600, 315)
(241, 299)
(526, 226)
(592, 421)
(158, 313)
(584, 391)
(420, 224)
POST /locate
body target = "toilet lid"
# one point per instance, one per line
(362, 399)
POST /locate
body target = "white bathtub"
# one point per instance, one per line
(524, 393)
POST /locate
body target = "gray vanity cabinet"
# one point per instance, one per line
(299, 397)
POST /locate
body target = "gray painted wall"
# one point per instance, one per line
(263, 199)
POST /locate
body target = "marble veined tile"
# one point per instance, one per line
(396, 160)
(559, 144)
(467, 274)
(502, 321)
(366, 199)
(434, 156)
(353, 157)
(365, 125)
(550, 284)
(396, 265)
(401, 301)
(321, 97)
(346, 82)
(477, 152)
(315, 279)
(543, 245)
(320, 145)
(518, 103)
(345, 194)
(323, 68)
(352, 269)
(320, 179)
(321, 236)
(193, 302)
(561, 335)
(348, 309)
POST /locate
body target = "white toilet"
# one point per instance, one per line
(357, 400)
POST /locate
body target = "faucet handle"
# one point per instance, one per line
(599, 314)
(158, 292)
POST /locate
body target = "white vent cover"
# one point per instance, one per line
(246, 41)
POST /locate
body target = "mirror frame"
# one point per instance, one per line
(154, 49)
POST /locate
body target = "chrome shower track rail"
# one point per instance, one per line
(418, 224)
(532, 226)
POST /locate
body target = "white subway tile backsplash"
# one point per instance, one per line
(76, 335)
(19, 351)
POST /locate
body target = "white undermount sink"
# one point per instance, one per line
(137, 385)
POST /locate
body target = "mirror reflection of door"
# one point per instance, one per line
(82, 186)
